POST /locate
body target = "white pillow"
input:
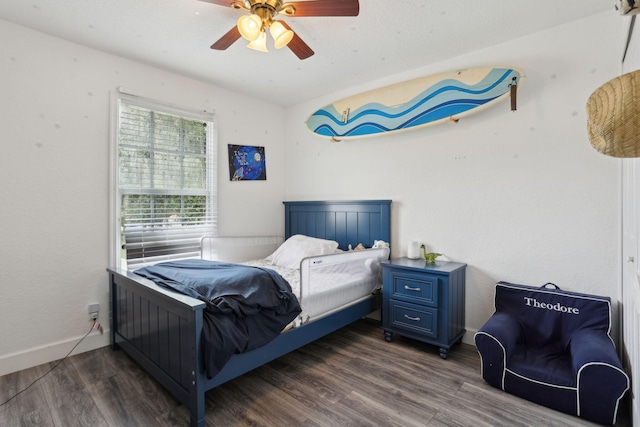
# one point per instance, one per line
(297, 247)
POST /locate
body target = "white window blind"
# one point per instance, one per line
(166, 166)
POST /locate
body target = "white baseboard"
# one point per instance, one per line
(39, 355)
(468, 337)
(55, 351)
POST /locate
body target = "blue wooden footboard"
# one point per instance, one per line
(162, 333)
(161, 329)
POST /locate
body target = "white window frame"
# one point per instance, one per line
(115, 220)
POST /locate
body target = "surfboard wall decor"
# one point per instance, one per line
(415, 104)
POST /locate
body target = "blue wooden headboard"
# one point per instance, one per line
(348, 222)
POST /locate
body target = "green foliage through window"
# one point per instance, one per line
(166, 183)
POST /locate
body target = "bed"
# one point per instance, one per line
(161, 329)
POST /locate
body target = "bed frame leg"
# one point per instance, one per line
(197, 389)
(197, 421)
(196, 402)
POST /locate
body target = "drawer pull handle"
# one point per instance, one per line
(409, 288)
(415, 319)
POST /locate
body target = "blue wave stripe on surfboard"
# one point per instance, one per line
(434, 103)
(440, 112)
(445, 90)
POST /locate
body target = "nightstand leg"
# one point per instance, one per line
(388, 336)
(444, 353)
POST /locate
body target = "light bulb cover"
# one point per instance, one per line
(259, 44)
(250, 27)
(281, 35)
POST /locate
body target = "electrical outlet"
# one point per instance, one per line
(94, 310)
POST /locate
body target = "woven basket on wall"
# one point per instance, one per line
(613, 116)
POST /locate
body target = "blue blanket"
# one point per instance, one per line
(246, 306)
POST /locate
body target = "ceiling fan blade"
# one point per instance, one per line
(326, 8)
(297, 45)
(227, 40)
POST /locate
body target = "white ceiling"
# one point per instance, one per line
(388, 37)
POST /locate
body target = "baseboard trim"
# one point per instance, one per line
(468, 337)
(39, 355)
(29, 358)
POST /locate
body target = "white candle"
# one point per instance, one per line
(413, 251)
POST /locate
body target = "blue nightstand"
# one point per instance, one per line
(424, 301)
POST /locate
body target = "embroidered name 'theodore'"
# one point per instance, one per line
(532, 302)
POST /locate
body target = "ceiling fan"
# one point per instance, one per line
(262, 16)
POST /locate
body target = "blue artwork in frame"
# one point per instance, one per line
(247, 163)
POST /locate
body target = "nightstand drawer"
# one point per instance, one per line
(420, 288)
(423, 320)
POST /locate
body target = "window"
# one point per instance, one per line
(165, 166)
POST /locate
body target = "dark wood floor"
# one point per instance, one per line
(350, 378)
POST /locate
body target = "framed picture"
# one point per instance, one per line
(247, 163)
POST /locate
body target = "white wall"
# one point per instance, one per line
(518, 196)
(54, 117)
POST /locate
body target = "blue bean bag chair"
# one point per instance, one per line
(554, 348)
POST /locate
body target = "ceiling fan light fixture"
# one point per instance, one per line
(250, 26)
(281, 35)
(259, 44)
